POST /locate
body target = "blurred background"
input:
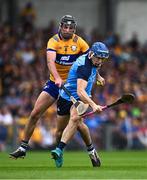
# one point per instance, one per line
(26, 26)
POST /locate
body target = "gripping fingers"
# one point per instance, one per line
(99, 83)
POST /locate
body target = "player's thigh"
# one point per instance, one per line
(43, 101)
(62, 122)
(47, 97)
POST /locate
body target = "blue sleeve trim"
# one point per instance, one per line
(50, 49)
(86, 51)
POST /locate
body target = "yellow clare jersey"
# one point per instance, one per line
(66, 52)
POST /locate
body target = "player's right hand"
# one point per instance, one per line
(58, 82)
(97, 108)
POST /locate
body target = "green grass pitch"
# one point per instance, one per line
(39, 165)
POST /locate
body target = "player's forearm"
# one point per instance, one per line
(84, 97)
(99, 77)
(52, 68)
(98, 74)
(81, 86)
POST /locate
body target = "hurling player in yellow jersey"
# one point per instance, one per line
(62, 50)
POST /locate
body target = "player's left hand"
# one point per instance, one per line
(100, 81)
(58, 82)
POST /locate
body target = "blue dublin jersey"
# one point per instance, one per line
(82, 68)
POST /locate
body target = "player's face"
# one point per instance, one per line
(67, 31)
(98, 62)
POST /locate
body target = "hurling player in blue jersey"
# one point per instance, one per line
(79, 83)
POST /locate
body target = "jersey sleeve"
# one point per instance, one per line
(84, 46)
(83, 72)
(52, 45)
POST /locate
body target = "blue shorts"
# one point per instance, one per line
(51, 89)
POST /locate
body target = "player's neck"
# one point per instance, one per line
(62, 38)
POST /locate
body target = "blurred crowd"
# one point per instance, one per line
(23, 72)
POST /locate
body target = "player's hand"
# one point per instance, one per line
(97, 108)
(58, 82)
(100, 81)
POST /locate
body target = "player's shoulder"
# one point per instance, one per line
(81, 59)
(55, 38)
(81, 42)
(77, 38)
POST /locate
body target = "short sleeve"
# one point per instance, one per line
(83, 45)
(51, 45)
(84, 72)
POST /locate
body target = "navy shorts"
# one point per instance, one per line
(51, 89)
(63, 106)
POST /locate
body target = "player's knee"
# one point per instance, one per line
(79, 126)
(35, 114)
(75, 119)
